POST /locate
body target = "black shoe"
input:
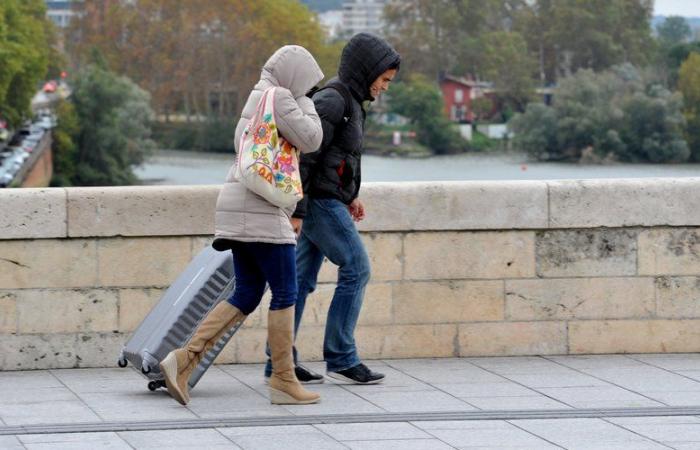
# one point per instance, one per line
(305, 376)
(360, 374)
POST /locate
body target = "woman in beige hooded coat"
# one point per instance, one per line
(261, 237)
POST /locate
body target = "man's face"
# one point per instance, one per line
(382, 83)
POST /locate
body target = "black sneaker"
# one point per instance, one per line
(304, 375)
(360, 374)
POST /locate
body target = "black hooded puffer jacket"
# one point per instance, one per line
(334, 170)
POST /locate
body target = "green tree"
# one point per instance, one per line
(200, 58)
(113, 137)
(63, 146)
(421, 102)
(615, 114)
(24, 53)
(507, 64)
(568, 35)
(674, 30)
(689, 85)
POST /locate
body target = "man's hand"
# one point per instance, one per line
(357, 210)
(296, 225)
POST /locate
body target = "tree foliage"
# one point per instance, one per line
(200, 58)
(421, 102)
(24, 50)
(689, 85)
(515, 42)
(104, 133)
(674, 30)
(616, 114)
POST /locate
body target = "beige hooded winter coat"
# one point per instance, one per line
(242, 215)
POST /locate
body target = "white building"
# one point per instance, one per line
(363, 16)
(60, 11)
(332, 21)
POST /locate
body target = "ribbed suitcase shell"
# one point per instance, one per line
(206, 281)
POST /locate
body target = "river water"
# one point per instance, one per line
(178, 167)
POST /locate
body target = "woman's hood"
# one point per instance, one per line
(294, 68)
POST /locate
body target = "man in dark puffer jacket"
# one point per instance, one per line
(331, 180)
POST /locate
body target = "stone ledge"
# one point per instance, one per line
(624, 202)
(410, 206)
(32, 213)
(141, 211)
(455, 205)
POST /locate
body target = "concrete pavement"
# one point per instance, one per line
(572, 402)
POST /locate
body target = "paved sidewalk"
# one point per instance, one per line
(573, 402)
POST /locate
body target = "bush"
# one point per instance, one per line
(215, 135)
(421, 102)
(614, 115)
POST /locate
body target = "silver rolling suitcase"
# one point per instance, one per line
(207, 280)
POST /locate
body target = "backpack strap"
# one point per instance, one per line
(343, 91)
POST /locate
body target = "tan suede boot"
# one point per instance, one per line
(285, 389)
(180, 363)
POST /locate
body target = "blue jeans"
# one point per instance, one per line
(329, 231)
(257, 263)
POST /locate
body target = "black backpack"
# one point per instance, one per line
(342, 90)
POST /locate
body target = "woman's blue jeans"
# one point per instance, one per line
(257, 263)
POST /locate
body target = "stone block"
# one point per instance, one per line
(624, 202)
(134, 306)
(309, 343)
(634, 336)
(60, 351)
(32, 213)
(376, 307)
(142, 210)
(678, 297)
(580, 298)
(456, 205)
(407, 341)
(48, 264)
(669, 251)
(581, 253)
(448, 302)
(142, 262)
(435, 256)
(385, 252)
(328, 272)
(44, 311)
(8, 312)
(199, 243)
(250, 345)
(512, 338)
(45, 351)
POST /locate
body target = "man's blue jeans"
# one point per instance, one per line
(329, 231)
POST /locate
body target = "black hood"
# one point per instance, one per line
(364, 58)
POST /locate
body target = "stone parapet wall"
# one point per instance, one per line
(458, 269)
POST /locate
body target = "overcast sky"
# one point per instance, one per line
(687, 8)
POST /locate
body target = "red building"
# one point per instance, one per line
(459, 93)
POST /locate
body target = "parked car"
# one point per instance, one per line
(5, 179)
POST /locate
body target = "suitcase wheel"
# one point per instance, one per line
(122, 363)
(145, 370)
(155, 384)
